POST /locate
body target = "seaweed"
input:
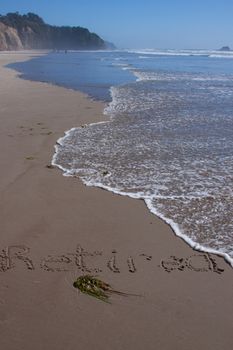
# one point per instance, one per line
(96, 288)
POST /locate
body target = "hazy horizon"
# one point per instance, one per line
(128, 24)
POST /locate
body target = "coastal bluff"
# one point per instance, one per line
(19, 32)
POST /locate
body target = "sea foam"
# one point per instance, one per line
(169, 142)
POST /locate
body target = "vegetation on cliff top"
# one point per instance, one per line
(34, 33)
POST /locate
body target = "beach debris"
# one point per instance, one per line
(84, 126)
(30, 158)
(50, 166)
(96, 288)
(105, 173)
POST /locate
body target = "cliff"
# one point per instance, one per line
(9, 38)
(29, 31)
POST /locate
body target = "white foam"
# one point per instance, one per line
(139, 195)
(188, 240)
(221, 56)
(201, 53)
(118, 104)
(170, 52)
(120, 64)
(144, 57)
(148, 202)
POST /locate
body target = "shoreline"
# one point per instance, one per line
(173, 225)
(51, 214)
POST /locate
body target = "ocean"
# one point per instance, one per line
(169, 135)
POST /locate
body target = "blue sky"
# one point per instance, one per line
(140, 23)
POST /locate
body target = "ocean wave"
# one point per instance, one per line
(168, 141)
(87, 178)
(171, 76)
(185, 53)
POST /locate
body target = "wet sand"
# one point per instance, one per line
(53, 229)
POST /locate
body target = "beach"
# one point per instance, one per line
(53, 229)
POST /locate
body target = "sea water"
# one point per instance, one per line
(168, 138)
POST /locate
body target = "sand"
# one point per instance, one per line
(53, 229)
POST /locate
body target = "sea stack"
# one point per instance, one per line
(225, 48)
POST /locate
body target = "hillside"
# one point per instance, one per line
(29, 31)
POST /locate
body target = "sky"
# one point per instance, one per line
(175, 24)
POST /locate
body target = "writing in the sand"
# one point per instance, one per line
(85, 261)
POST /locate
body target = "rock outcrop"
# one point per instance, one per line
(225, 48)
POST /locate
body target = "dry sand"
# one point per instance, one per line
(44, 220)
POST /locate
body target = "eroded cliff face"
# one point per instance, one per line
(9, 38)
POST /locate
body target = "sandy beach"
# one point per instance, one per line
(53, 229)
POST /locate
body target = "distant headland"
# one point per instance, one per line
(19, 32)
